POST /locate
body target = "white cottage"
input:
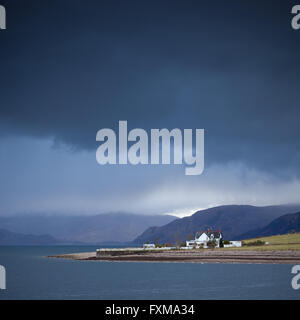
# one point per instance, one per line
(202, 237)
(148, 245)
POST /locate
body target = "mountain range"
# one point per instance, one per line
(12, 238)
(113, 227)
(237, 222)
(233, 220)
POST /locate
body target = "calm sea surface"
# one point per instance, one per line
(30, 275)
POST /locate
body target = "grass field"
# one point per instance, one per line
(282, 242)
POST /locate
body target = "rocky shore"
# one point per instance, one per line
(196, 256)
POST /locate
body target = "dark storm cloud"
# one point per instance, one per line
(69, 68)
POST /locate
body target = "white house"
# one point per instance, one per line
(201, 239)
(148, 245)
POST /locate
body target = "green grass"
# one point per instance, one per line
(289, 241)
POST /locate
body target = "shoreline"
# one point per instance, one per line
(193, 256)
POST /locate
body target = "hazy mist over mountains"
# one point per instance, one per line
(235, 221)
(13, 238)
(113, 227)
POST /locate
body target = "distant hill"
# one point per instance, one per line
(114, 227)
(12, 238)
(282, 225)
(233, 220)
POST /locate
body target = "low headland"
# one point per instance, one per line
(275, 249)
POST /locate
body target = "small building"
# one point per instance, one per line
(148, 245)
(203, 237)
(233, 244)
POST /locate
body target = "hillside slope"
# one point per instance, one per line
(232, 219)
(282, 225)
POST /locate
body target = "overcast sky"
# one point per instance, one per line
(70, 68)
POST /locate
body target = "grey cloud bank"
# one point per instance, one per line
(50, 180)
(181, 65)
(66, 72)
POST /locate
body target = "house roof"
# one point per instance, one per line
(216, 234)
